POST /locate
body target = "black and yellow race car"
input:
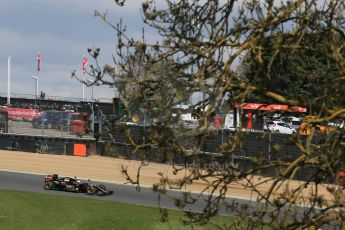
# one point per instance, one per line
(72, 184)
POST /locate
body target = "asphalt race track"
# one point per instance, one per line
(122, 193)
(129, 194)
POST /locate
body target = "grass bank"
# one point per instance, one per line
(26, 210)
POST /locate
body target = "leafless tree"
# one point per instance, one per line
(201, 52)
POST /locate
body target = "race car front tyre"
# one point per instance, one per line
(100, 193)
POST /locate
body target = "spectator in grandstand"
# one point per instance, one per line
(43, 95)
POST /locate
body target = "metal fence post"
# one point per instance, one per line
(269, 145)
(222, 139)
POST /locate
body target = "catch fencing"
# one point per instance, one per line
(44, 144)
(254, 150)
(23, 136)
(64, 130)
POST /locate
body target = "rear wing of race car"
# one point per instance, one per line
(51, 177)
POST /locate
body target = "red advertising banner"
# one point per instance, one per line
(21, 114)
(271, 107)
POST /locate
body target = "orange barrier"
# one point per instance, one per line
(79, 150)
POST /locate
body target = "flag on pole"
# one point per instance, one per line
(38, 61)
(85, 63)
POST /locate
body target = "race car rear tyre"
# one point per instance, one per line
(48, 185)
(90, 190)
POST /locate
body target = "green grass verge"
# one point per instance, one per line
(26, 210)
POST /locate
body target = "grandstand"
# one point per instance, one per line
(28, 101)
